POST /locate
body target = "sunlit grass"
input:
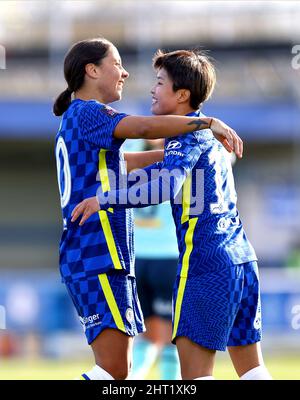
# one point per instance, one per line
(281, 367)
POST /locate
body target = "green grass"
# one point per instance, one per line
(281, 367)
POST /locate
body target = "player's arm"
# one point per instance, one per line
(141, 159)
(158, 182)
(164, 187)
(99, 125)
(162, 126)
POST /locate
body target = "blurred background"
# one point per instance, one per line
(256, 47)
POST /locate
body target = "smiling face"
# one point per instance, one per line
(111, 76)
(164, 99)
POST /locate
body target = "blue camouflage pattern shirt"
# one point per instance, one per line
(87, 154)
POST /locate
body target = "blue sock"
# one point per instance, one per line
(144, 356)
(169, 363)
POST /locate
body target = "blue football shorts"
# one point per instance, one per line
(219, 308)
(107, 300)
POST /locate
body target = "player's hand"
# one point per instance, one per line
(87, 207)
(227, 136)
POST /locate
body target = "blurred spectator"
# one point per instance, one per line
(9, 345)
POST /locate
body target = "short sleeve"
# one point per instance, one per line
(97, 123)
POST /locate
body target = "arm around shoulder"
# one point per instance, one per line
(157, 127)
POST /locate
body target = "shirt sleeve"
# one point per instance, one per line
(97, 123)
(158, 182)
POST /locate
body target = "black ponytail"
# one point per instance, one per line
(62, 102)
(81, 53)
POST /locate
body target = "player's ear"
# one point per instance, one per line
(183, 95)
(91, 70)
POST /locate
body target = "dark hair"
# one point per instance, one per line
(188, 69)
(78, 56)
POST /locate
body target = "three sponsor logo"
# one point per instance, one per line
(94, 320)
(90, 321)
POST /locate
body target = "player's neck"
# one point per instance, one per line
(183, 109)
(89, 94)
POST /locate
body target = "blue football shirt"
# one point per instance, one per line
(209, 230)
(87, 155)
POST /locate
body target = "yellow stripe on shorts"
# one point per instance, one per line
(111, 301)
(179, 298)
(184, 272)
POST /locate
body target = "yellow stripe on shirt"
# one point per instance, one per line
(111, 301)
(103, 172)
(184, 272)
(186, 199)
(109, 239)
(189, 235)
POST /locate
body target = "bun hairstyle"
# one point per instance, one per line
(79, 55)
